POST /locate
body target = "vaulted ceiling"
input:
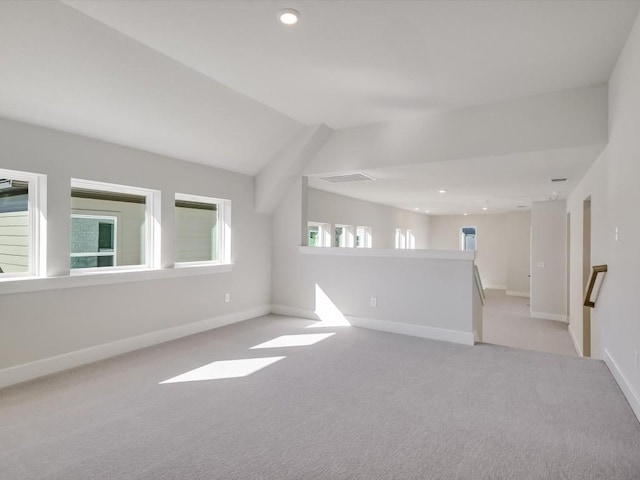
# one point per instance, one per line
(225, 84)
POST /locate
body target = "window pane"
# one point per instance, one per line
(107, 222)
(14, 226)
(196, 231)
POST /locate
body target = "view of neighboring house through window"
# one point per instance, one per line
(112, 226)
(21, 205)
(468, 239)
(364, 238)
(318, 234)
(343, 236)
(200, 228)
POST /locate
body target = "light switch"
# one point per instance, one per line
(540, 264)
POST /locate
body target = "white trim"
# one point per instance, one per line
(105, 277)
(625, 385)
(390, 252)
(422, 331)
(515, 293)
(549, 316)
(152, 217)
(47, 366)
(574, 339)
(495, 287)
(223, 228)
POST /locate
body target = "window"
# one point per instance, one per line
(363, 237)
(468, 239)
(93, 241)
(411, 240)
(22, 224)
(343, 236)
(401, 241)
(318, 234)
(113, 227)
(203, 228)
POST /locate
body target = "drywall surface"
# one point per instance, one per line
(570, 118)
(433, 294)
(612, 184)
(549, 257)
(518, 249)
(491, 257)
(325, 207)
(42, 324)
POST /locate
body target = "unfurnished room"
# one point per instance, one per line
(319, 239)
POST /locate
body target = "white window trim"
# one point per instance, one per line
(411, 240)
(324, 234)
(367, 236)
(37, 212)
(152, 226)
(401, 239)
(462, 239)
(223, 229)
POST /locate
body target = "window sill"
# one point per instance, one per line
(93, 278)
(389, 252)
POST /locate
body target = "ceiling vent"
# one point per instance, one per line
(351, 177)
(558, 180)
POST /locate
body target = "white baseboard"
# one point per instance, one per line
(293, 312)
(576, 344)
(422, 331)
(632, 396)
(514, 293)
(550, 316)
(46, 366)
(495, 287)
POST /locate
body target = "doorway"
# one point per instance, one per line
(586, 271)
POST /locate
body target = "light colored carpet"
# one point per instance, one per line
(506, 321)
(358, 405)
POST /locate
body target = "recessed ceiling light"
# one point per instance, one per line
(465, 213)
(416, 208)
(289, 16)
(485, 208)
(426, 211)
(442, 191)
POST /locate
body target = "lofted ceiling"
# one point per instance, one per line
(223, 83)
(356, 62)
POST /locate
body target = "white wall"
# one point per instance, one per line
(41, 324)
(518, 249)
(612, 183)
(335, 209)
(549, 260)
(423, 296)
(491, 257)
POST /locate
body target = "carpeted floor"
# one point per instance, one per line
(506, 321)
(357, 405)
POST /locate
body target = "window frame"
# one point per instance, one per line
(223, 229)
(347, 239)
(367, 236)
(113, 253)
(37, 215)
(152, 249)
(401, 239)
(324, 234)
(463, 236)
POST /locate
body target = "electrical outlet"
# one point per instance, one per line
(227, 297)
(540, 264)
(374, 301)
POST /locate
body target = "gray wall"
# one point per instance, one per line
(549, 258)
(427, 292)
(42, 324)
(518, 250)
(330, 208)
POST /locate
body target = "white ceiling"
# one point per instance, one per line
(356, 62)
(222, 83)
(500, 183)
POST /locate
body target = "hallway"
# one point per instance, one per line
(506, 321)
